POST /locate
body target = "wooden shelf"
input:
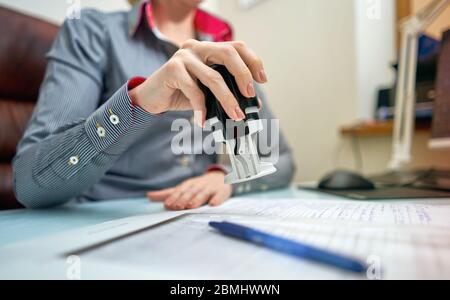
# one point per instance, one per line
(375, 128)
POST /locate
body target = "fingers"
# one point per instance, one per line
(172, 201)
(191, 198)
(227, 55)
(174, 86)
(219, 198)
(199, 199)
(196, 192)
(184, 199)
(196, 197)
(215, 82)
(161, 195)
(239, 59)
(189, 195)
(181, 198)
(187, 85)
(253, 62)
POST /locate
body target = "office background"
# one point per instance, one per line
(325, 59)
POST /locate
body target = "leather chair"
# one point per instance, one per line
(24, 42)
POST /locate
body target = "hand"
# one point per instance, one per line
(193, 193)
(174, 86)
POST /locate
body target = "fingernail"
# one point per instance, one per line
(262, 75)
(240, 114)
(251, 90)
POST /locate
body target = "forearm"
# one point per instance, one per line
(63, 165)
(41, 181)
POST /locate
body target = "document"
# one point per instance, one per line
(339, 210)
(67, 242)
(398, 241)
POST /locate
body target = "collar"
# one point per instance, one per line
(207, 26)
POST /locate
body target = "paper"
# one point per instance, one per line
(70, 241)
(348, 211)
(398, 241)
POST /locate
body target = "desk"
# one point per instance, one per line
(368, 129)
(21, 225)
(26, 225)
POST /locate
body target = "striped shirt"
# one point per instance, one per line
(86, 141)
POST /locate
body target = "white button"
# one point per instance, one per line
(73, 160)
(101, 132)
(248, 188)
(114, 119)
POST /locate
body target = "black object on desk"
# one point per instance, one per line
(239, 137)
(345, 180)
(422, 184)
(386, 193)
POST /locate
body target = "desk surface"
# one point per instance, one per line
(368, 129)
(21, 225)
(25, 226)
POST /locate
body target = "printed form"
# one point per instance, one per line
(397, 241)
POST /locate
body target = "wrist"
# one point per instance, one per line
(139, 96)
(133, 85)
(136, 97)
(217, 168)
(216, 173)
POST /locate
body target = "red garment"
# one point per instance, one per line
(207, 26)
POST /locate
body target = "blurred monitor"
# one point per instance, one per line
(441, 114)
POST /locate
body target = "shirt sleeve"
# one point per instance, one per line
(70, 143)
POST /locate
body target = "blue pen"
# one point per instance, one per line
(289, 247)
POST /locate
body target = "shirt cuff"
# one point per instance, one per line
(135, 82)
(117, 123)
(216, 168)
